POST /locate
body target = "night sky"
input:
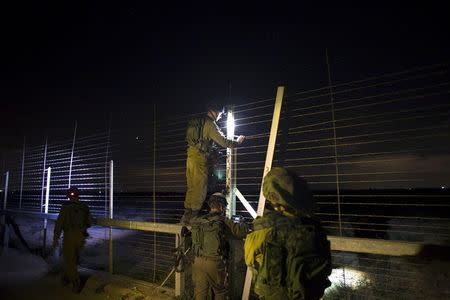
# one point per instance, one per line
(88, 63)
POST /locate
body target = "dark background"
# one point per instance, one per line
(116, 60)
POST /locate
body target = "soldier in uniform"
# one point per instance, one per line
(201, 133)
(74, 218)
(288, 251)
(210, 236)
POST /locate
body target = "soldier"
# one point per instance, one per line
(210, 236)
(74, 218)
(200, 135)
(288, 251)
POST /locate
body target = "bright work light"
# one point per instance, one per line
(230, 125)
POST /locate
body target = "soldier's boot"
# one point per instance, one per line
(76, 286)
(185, 219)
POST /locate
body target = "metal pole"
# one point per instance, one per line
(5, 191)
(111, 215)
(43, 176)
(21, 177)
(154, 190)
(267, 167)
(338, 195)
(47, 197)
(179, 276)
(271, 145)
(5, 226)
(71, 154)
(231, 166)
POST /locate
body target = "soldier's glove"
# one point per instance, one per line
(240, 139)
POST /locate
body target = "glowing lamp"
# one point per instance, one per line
(230, 125)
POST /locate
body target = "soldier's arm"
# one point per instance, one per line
(212, 131)
(237, 230)
(59, 224)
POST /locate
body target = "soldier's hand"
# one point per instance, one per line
(240, 139)
(55, 244)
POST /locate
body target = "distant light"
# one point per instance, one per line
(138, 138)
(443, 187)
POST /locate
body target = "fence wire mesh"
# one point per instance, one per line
(375, 153)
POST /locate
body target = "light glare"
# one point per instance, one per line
(230, 125)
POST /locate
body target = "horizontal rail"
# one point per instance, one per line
(347, 244)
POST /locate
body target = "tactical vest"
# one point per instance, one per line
(296, 259)
(76, 217)
(208, 236)
(194, 135)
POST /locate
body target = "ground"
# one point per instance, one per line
(27, 276)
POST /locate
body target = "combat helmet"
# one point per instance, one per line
(284, 187)
(214, 105)
(217, 199)
(72, 193)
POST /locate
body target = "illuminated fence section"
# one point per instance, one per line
(254, 121)
(374, 153)
(368, 276)
(81, 162)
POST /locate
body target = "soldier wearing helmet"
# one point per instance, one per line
(210, 237)
(201, 136)
(288, 250)
(73, 219)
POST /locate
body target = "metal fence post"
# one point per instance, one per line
(179, 276)
(5, 226)
(21, 177)
(111, 216)
(47, 199)
(267, 167)
(231, 166)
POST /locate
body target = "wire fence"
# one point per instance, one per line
(375, 153)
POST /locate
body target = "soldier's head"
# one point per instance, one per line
(285, 190)
(72, 193)
(217, 202)
(214, 109)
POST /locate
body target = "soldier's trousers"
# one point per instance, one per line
(73, 243)
(197, 172)
(209, 272)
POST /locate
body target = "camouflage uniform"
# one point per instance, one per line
(288, 251)
(210, 271)
(74, 218)
(198, 158)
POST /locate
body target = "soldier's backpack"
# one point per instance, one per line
(296, 259)
(208, 236)
(194, 134)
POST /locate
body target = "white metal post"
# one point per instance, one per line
(21, 177)
(179, 276)
(111, 215)
(71, 154)
(5, 190)
(231, 166)
(47, 197)
(267, 167)
(5, 226)
(43, 175)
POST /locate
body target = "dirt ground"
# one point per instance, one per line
(26, 276)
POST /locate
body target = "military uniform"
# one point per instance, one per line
(201, 133)
(74, 218)
(209, 271)
(288, 251)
